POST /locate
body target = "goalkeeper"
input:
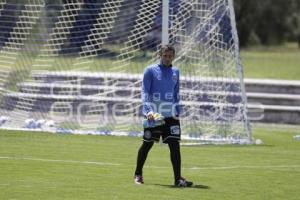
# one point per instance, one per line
(160, 95)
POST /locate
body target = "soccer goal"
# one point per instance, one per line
(75, 66)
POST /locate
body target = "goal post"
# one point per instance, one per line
(76, 66)
(165, 22)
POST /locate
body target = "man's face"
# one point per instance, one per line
(167, 58)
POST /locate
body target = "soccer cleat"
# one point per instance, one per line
(138, 180)
(182, 182)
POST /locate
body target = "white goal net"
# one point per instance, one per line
(75, 66)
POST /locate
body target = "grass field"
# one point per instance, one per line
(53, 166)
(272, 62)
(280, 62)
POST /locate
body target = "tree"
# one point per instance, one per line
(271, 22)
(245, 19)
(293, 22)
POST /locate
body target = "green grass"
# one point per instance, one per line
(272, 62)
(260, 62)
(52, 166)
(279, 62)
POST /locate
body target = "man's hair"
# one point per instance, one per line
(166, 48)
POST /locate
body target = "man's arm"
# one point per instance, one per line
(177, 97)
(146, 87)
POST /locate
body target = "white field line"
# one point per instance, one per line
(157, 167)
(60, 161)
(247, 167)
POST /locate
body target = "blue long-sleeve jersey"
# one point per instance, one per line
(160, 90)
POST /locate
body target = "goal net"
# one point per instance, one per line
(75, 66)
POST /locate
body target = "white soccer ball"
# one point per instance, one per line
(258, 141)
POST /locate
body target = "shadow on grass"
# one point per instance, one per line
(193, 187)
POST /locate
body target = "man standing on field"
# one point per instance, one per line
(160, 95)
